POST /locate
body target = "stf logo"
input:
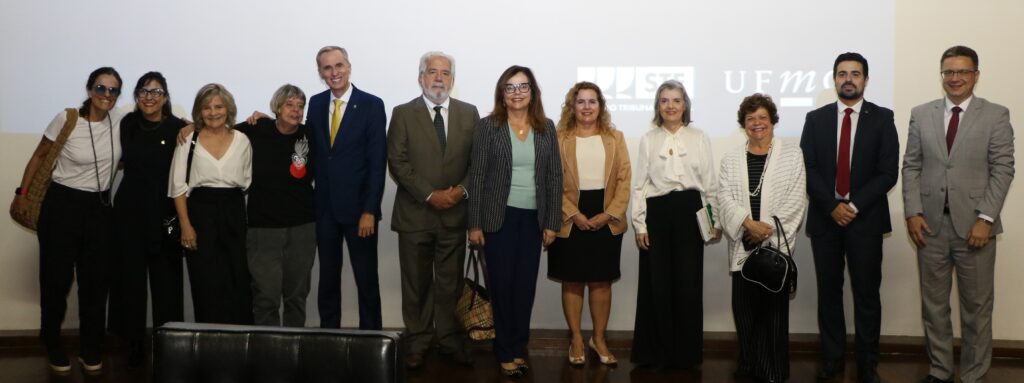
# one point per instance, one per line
(634, 83)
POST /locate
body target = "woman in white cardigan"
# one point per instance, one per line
(763, 179)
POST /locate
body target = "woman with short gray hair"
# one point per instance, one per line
(282, 236)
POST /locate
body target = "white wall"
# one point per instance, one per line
(923, 30)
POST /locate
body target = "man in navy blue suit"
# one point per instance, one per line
(851, 152)
(350, 153)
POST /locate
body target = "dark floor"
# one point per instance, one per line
(548, 365)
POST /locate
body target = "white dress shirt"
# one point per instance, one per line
(344, 98)
(668, 162)
(947, 114)
(232, 170)
(854, 118)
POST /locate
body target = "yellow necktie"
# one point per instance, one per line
(336, 118)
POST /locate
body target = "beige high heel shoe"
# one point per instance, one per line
(607, 360)
(577, 360)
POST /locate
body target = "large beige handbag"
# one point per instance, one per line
(474, 306)
(41, 178)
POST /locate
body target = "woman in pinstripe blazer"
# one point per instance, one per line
(762, 179)
(515, 206)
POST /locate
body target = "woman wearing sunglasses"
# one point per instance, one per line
(144, 252)
(75, 220)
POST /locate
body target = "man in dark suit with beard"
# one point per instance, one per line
(851, 152)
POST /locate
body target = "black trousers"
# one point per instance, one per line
(835, 250)
(143, 255)
(762, 329)
(669, 330)
(217, 269)
(513, 259)
(74, 241)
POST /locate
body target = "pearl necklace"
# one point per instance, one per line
(760, 181)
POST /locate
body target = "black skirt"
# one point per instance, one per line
(586, 256)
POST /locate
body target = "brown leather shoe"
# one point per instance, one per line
(413, 360)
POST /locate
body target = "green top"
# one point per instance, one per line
(523, 193)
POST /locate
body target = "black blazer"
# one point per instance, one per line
(873, 168)
(490, 176)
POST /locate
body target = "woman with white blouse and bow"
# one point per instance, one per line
(674, 180)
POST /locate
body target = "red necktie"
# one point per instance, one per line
(954, 122)
(843, 161)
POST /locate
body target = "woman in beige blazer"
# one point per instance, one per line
(596, 177)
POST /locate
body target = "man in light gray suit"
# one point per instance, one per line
(956, 172)
(429, 145)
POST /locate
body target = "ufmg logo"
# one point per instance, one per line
(634, 82)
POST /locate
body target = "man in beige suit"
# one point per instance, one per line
(956, 173)
(429, 143)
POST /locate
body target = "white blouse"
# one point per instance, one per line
(590, 162)
(77, 163)
(668, 162)
(232, 170)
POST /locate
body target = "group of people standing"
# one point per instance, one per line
(512, 183)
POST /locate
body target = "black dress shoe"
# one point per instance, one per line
(462, 357)
(831, 369)
(868, 376)
(413, 360)
(933, 379)
(59, 362)
(136, 354)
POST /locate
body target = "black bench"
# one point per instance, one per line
(196, 353)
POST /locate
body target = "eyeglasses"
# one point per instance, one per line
(953, 73)
(150, 93)
(521, 87)
(104, 90)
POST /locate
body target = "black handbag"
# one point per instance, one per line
(770, 267)
(171, 226)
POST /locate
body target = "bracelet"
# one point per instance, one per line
(21, 191)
